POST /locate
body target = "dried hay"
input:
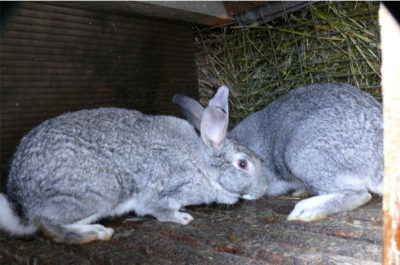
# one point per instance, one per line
(324, 42)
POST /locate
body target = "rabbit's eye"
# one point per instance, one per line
(242, 164)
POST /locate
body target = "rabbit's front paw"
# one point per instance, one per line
(182, 218)
(175, 217)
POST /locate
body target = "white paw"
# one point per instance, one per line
(301, 194)
(174, 216)
(182, 218)
(92, 232)
(311, 209)
(104, 233)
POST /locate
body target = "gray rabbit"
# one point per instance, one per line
(76, 168)
(324, 139)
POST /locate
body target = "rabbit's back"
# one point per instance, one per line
(314, 134)
(89, 155)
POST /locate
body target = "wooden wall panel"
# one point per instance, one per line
(56, 57)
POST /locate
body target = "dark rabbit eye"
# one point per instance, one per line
(242, 164)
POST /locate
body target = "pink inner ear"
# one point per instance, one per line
(215, 130)
(214, 126)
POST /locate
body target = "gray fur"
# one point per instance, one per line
(79, 167)
(325, 139)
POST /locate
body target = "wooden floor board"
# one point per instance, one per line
(249, 232)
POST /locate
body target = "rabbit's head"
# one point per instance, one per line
(238, 170)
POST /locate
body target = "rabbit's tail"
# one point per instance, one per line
(10, 222)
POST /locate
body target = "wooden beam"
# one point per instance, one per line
(390, 37)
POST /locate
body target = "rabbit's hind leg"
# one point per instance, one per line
(280, 186)
(319, 207)
(76, 233)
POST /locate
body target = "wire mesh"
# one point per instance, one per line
(323, 42)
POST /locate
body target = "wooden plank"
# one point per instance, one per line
(24, 52)
(390, 35)
(253, 232)
(107, 31)
(79, 14)
(34, 253)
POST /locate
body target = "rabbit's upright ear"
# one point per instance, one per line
(215, 119)
(213, 127)
(190, 108)
(220, 99)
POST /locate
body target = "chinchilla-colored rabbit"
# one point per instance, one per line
(79, 167)
(324, 139)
